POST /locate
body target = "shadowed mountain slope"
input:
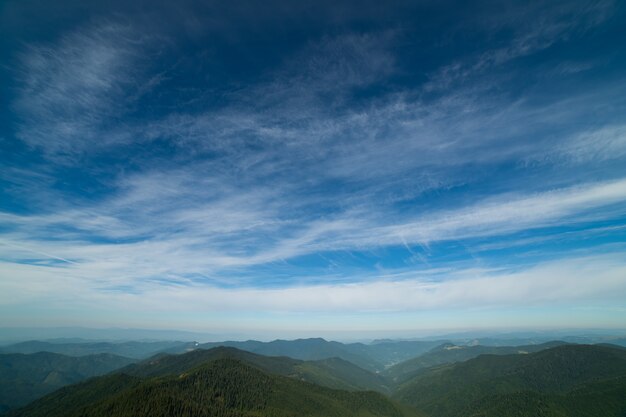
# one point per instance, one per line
(549, 378)
(24, 378)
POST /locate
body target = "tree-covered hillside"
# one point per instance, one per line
(24, 378)
(451, 353)
(546, 381)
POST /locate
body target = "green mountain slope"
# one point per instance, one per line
(541, 378)
(450, 353)
(340, 374)
(222, 387)
(24, 378)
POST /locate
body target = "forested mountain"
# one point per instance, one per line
(220, 387)
(135, 350)
(596, 399)
(451, 353)
(334, 373)
(24, 378)
(549, 381)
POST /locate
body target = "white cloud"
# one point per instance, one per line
(71, 89)
(606, 143)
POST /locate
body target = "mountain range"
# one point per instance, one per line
(129, 349)
(553, 379)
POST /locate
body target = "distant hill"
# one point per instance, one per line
(304, 349)
(549, 382)
(136, 350)
(373, 357)
(24, 378)
(225, 386)
(450, 353)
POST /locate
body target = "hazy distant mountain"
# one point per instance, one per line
(24, 378)
(451, 353)
(374, 357)
(10, 335)
(226, 385)
(581, 336)
(304, 349)
(136, 350)
(617, 341)
(569, 380)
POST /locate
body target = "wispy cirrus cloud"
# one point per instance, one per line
(535, 27)
(74, 93)
(126, 238)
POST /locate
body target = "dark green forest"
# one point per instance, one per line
(24, 378)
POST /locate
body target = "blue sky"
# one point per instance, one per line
(313, 166)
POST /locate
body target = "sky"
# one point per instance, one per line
(313, 167)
